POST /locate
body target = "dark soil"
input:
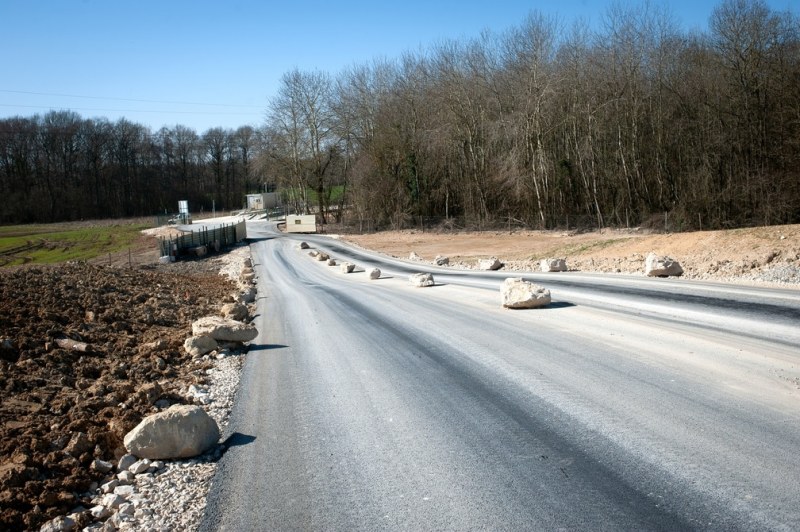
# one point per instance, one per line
(85, 351)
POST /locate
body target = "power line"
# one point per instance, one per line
(170, 111)
(128, 99)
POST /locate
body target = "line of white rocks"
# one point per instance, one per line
(654, 265)
(515, 293)
(170, 495)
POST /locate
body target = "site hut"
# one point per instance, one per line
(262, 201)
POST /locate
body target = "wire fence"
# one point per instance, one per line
(203, 240)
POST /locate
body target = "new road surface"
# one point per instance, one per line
(627, 404)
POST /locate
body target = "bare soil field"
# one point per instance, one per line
(761, 254)
(85, 351)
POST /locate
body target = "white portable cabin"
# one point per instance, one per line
(260, 202)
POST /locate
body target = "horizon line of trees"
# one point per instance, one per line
(60, 166)
(541, 126)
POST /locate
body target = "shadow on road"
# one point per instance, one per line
(237, 439)
(264, 347)
(550, 306)
(561, 304)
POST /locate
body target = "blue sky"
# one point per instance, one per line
(205, 64)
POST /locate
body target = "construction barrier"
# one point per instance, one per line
(203, 240)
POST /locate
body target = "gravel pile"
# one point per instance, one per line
(782, 274)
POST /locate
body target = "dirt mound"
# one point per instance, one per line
(85, 351)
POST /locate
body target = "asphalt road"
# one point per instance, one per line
(628, 404)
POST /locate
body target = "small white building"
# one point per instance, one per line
(262, 201)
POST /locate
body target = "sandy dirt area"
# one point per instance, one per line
(766, 254)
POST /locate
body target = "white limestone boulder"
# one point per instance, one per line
(489, 264)
(657, 266)
(224, 329)
(347, 267)
(248, 295)
(554, 265)
(234, 311)
(198, 346)
(331, 262)
(519, 293)
(441, 260)
(421, 280)
(248, 275)
(313, 253)
(374, 273)
(322, 257)
(182, 431)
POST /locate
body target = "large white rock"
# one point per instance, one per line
(347, 267)
(181, 431)
(331, 262)
(313, 253)
(234, 311)
(248, 295)
(322, 257)
(441, 260)
(656, 266)
(489, 264)
(224, 330)
(374, 273)
(519, 293)
(554, 265)
(421, 279)
(199, 345)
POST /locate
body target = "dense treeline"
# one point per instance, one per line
(544, 125)
(62, 167)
